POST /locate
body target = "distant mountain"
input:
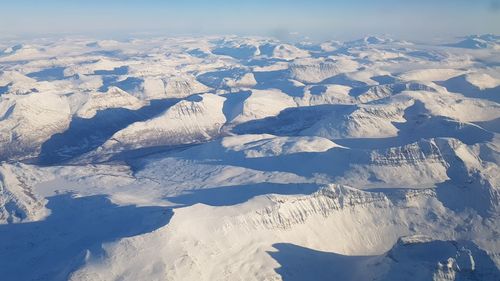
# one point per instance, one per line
(248, 158)
(478, 42)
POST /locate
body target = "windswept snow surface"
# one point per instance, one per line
(247, 158)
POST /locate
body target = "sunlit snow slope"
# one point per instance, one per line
(242, 158)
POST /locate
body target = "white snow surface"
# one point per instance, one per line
(247, 158)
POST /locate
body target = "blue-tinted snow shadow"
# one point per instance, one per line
(427, 55)
(4, 89)
(460, 85)
(233, 105)
(292, 121)
(198, 53)
(129, 84)
(84, 135)
(465, 188)
(324, 54)
(334, 162)
(215, 79)
(299, 263)
(405, 258)
(419, 125)
(343, 79)
(242, 52)
(416, 261)
(232, 195)
(439, 127)
(52, 248)
(318, 90)
(134, 158)
(395, 88)
(491, 125)
(110, 78)
(468, 194)
(462, 191)
(267, 49)
(116, 54)
(278, 79)
(48, 74)
(265, 80)
(384, 79)
(422, 125)
(263, 61)
(13, 48)
(122, 70)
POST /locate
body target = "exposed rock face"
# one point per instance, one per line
(27, 121)
(247, 158)
(18, 201)
(188, 121)
(113, 98)
(313, 72)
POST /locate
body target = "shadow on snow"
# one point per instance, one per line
(84, 135)
(52, 248)
(416, 261)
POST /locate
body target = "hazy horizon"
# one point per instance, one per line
(317, 18)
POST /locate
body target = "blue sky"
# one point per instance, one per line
(410, 19)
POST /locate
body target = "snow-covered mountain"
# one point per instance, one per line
(478, 42)
(247, 158)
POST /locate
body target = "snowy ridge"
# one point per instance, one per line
(377, 92)
(18, 200)
(288, 52)
(263, 103)
(411, 153)
(478, 42)
(364, 121)
(188, 121)
(249, 158)
(30, 120)
(113, 98)
(310, 71)
(331, 198)
(171, 87)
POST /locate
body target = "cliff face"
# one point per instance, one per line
(247, 158)
(18, 201)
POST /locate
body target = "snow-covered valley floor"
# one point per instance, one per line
(247, 158)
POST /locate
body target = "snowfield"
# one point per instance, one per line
(247, 158)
